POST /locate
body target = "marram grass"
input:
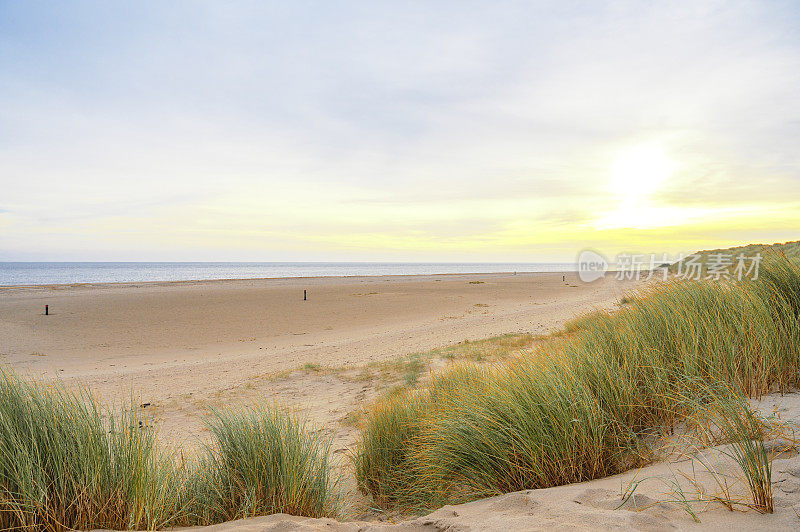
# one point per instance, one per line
(263, 461)
(589, 403)
(720, 414)
(65, 465)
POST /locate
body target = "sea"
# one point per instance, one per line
(47, 273)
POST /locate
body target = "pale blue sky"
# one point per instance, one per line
(394, 130)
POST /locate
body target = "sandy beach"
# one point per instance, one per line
(182, 349)
(185, 347)
(305, 266)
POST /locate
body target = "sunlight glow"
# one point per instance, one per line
(636, 174)
(639, 171)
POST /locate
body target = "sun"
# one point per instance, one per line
(639, 171)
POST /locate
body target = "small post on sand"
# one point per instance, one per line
(304, 295)
(47, 310)
(564, 278)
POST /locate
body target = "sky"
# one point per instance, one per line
(395, 131)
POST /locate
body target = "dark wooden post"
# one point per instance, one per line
(304, 295)
(47, 310)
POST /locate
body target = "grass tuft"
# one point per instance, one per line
(263, 461)
(62, 467)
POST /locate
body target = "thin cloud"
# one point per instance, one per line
(279, 122)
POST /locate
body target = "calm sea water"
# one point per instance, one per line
(42, 273)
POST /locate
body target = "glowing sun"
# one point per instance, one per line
(639, 171)
(636, 173)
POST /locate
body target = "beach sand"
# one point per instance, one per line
(185, 347)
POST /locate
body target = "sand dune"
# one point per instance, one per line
(599, 505)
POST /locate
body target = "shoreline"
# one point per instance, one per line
(136, 284)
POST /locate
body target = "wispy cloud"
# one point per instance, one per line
(370, 130)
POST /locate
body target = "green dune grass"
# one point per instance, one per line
(263, 461)
(588, 403)
(64, 465)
